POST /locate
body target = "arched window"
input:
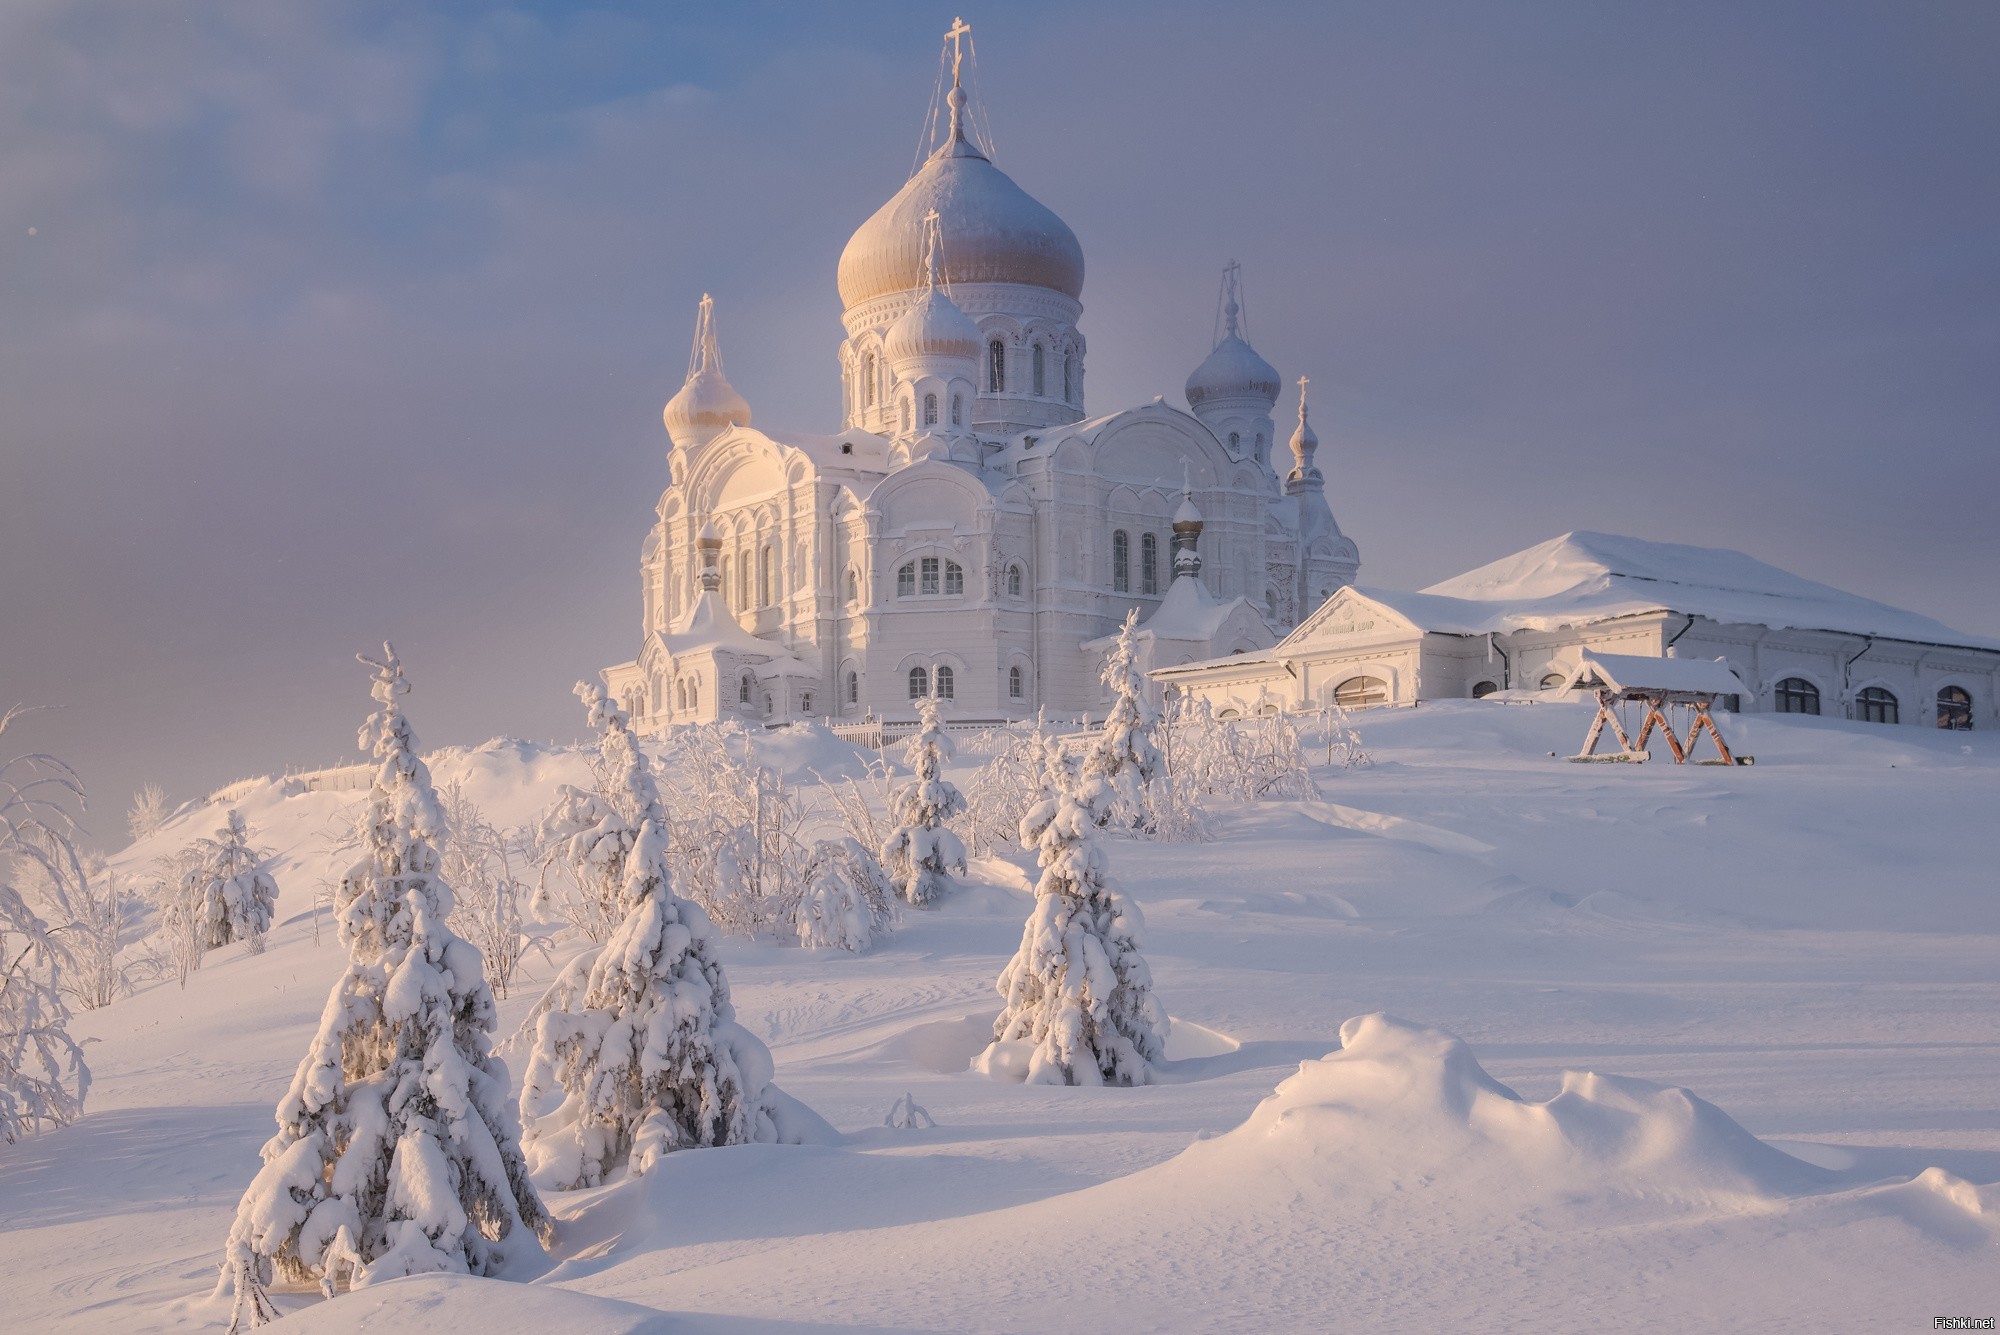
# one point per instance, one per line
(954, 577)
(744, 686)
(958, 410)
(1230, 715)
(1360, 692)
(1554, 679)
(743, 582)
(906, 580)
(728, 587)
(1235, 443)
(1121, 562)
(944, 682)
(1017, 686)
(694, 692)
(1260, 444)
(1796, 695)
(1069, 377)
(1955, 709)
(853, 585)
(1149, 563)
(903, 414)
(868, 378)
(996, 367)
(930, 410)
(1876, 705)
(1483, 689)
(854, 688)
(806, 703)
(1040, 375)
(920, 683)
(1271, 603)
(763, 577)
(770, 705)
(1015, 581)
(680, 695)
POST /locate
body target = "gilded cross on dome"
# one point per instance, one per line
(959, 29)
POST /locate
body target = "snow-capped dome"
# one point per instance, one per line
(1305, 442)
(1233, 371)
(999, 233)
(707, 404)
(933, 327)
(1187, 514)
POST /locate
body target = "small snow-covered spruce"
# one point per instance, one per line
(43, 1077)
(636, 1047)
(1126, 755)
(229, 890)
(920, 852)
(848, 900)
(1079, 996)
(396, 1152)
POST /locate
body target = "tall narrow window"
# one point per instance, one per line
(853, 688)
(1876, 705)
(1235, 443)
(868, 381)
(728, 585)
(928, 575)
(996, 366)
(930, 410)
(743, 582)
(853, 586)
(1149, 563)
(1069, 377)
(744, 686)
(906, 580)
(958, 410)
(1796, 695)
(954, 577)
(763, 577)
(694, 692)
(1016, 688)
(1015, 580)
(920, 683)
(903, 414)
(1040, 374)
(944, 682)
(1121, 562)
(1955, 709)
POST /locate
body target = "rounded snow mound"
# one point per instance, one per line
(489, 1306)
(1409, 1103)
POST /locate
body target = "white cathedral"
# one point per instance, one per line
(971, 534)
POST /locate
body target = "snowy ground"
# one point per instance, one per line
(1811, 945)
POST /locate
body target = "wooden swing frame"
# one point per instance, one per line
(1657, 702)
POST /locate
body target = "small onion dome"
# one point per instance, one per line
(1187, 514)
(705, 405)
(1305, 443)
(934, 326)
(1233, 371)
(999, 232)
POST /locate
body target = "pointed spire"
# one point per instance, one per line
(1187, 529)
(1231, 299)
(959, 139)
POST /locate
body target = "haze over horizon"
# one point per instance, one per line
(327, 324)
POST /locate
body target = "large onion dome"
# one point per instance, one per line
(707, 404)
(999, 232)
(1233, 371)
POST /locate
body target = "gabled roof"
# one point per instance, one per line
(707, 626)
(1582, 577)
(1629, 672)
(1189, 612)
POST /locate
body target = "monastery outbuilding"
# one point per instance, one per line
(1524, 623)
(971, 532)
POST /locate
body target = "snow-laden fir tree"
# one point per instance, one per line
(920, 852)
(43, 1077)
(1126, 756)
(1080, 1008)
(636, 1047)
(229, 890)
(396, 1152)
(848, 899)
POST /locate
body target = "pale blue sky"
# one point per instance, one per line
(320, 323)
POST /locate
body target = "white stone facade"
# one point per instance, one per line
(970, 528)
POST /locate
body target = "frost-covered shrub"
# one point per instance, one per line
(848, 901)
(1126, 755)
(227, 888)
(396, 1152)
(1002, 790)
(478, 863)
(920, 851)
(737, 841)
(43, 1077)
(1079, 1005)
(105, 910)
(148, 813)
(1246, 759)
(636, 1047)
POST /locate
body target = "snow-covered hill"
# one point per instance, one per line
(1807, 944)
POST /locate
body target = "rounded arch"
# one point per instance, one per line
(1798, 693)
(1955, 702)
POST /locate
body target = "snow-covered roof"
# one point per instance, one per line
(1582, 577)
(707, 624)
(1187, 612)
(1630, 672)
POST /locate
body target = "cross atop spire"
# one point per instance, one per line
(1303, 382)
(933, 251)
(959, 30)
(707, 352)
(1229, 322)
(962, 138)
